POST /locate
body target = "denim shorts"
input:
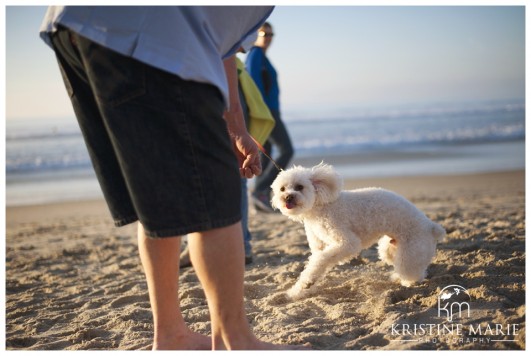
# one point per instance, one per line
(159, 144)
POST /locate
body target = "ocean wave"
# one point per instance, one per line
(39, 147)
(39, 164)
(409, 138)
(391, 133)
(41, 135)
(461, 110)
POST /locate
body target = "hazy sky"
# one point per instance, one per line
(331, 59)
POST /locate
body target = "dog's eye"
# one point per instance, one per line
(299, 188)
(282, 189)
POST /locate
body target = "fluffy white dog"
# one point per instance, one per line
(339, 224)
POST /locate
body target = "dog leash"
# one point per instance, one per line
(262, 149)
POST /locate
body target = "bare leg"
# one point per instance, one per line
(217, 256)
(160, 259)
(218, 259)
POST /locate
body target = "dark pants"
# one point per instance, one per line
(159, 144)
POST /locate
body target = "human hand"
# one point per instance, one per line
(245, 147)
(248, 156)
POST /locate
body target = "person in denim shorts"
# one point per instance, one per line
(149, 87)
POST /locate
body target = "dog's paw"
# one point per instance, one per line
(406, 283)
(296, 292)
(395, 277)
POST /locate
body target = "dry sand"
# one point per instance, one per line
(74, 281)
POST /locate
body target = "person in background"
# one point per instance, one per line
(259, 122)
(265, 77)
(155, 95)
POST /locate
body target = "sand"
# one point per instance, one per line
(75, 282)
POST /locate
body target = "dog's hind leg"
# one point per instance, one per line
(412, 258)
(387, 249)
(319, 263)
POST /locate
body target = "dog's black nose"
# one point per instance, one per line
(289, 198)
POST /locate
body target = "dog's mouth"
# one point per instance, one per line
(290, 205)
(290, 202)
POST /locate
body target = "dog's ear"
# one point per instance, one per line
(327, 183)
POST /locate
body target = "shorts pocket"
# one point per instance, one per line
(115, 78)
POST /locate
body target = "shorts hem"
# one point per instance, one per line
(125, 221)
(190, 229)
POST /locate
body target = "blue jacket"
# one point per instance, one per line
(264, 75)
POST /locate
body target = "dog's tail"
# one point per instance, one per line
(438, 232)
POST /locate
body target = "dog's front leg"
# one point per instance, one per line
(319, 263)
(315, 243)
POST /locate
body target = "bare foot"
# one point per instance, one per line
(252, 343)
(269, 346)
(262, 345)
(187, 341)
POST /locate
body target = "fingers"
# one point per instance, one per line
(248, 172)
(251, 166)
(248, 155)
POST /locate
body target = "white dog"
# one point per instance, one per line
(339, 224)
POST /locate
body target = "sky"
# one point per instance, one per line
(331, 60)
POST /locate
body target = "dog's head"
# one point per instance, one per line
(298, 189)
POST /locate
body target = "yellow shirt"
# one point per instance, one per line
(261, 122)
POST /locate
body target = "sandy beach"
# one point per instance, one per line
(75, 282)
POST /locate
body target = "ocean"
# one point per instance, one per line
(46, 160)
